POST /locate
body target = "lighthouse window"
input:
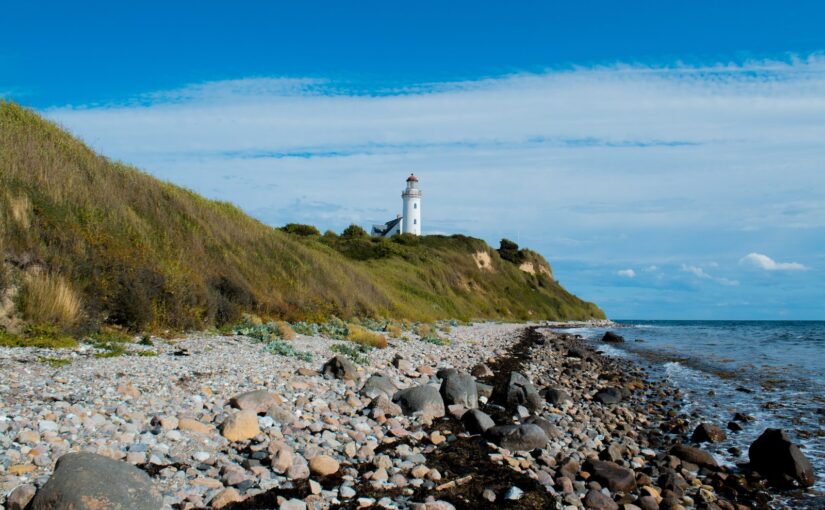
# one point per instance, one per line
(415, 222)
(415, 206)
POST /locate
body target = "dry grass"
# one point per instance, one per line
(362, 336)
(20, 208)
(49, 299)
(285, 331)
(393, 331)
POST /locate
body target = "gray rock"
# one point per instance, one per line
(481, 370)
(20, 497)
(339, 367)
(459, 388)
(518, 390)
(608, 396)
(550, 430)
(477, 422)
(612, 338)
(421, 399)
(513, 493)
(693, 455)
(378, 384)
(484, 390)
(708, 433)
(86, 481)
(517, 437)
(778, 459)
(556, 396)
(611, 475)
(258, 401)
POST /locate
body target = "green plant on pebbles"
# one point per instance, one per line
(356, 352)
(43, 336)
(54, 362)
(283, 348)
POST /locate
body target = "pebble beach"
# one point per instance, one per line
(504, 415)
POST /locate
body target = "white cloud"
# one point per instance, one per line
(698, 272)
(626, 273)
(768, 264)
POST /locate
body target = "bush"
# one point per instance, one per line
(362, 336)
(301, 230)
(393, 331)
(49, 299)
(285, 331)
(282, 348)
(508, 250)
(54, 362)
(305, 328)
(354, 232)
(334, 328)
(356, 352)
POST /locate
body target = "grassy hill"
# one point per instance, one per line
(86, 241)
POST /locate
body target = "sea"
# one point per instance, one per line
(771, 370)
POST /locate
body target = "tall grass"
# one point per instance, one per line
(362, 336)
(49, 299)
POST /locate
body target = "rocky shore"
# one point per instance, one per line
(508, 416)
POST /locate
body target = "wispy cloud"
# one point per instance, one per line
(700, 273)
(626, 273)
(761, 261)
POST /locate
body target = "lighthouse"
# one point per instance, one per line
(411, 217)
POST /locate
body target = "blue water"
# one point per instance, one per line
(772, 370)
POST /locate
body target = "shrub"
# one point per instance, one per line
(355, 352)
(285, 331)
(334, 328)
(301, 230)
(508, 250)
(354, 232)
(362, 336)
(49, 299)
(393, 331)
(146, 340)
(305, 328)
(283, 348)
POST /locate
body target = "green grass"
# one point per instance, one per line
(38, 336)
(145, 255)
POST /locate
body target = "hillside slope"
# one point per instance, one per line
(87, 241)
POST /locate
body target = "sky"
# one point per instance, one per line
(668, 158)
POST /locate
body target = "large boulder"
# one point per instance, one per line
(87, 481)
(378, 384)
(693, 455)
(708, 433)
(257, 400)
(339, 367)
(612, 338)
(423, 399)
(459, 388)
(517, 437)
(519, 391)
(608, 396)
(477, 422)
(779, 460)
(611, 475)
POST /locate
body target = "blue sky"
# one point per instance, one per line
(668, 158)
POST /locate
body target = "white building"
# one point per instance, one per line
(410, 221)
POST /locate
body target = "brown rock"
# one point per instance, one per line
(20, 497)
(323, 465)
(241, 426)
(226, 497)
(257, 401)
(128, 390)
(194, 426)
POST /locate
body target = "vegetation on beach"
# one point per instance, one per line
(86, 242)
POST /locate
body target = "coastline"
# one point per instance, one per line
(124, 408)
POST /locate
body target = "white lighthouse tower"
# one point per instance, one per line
(411, 218)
